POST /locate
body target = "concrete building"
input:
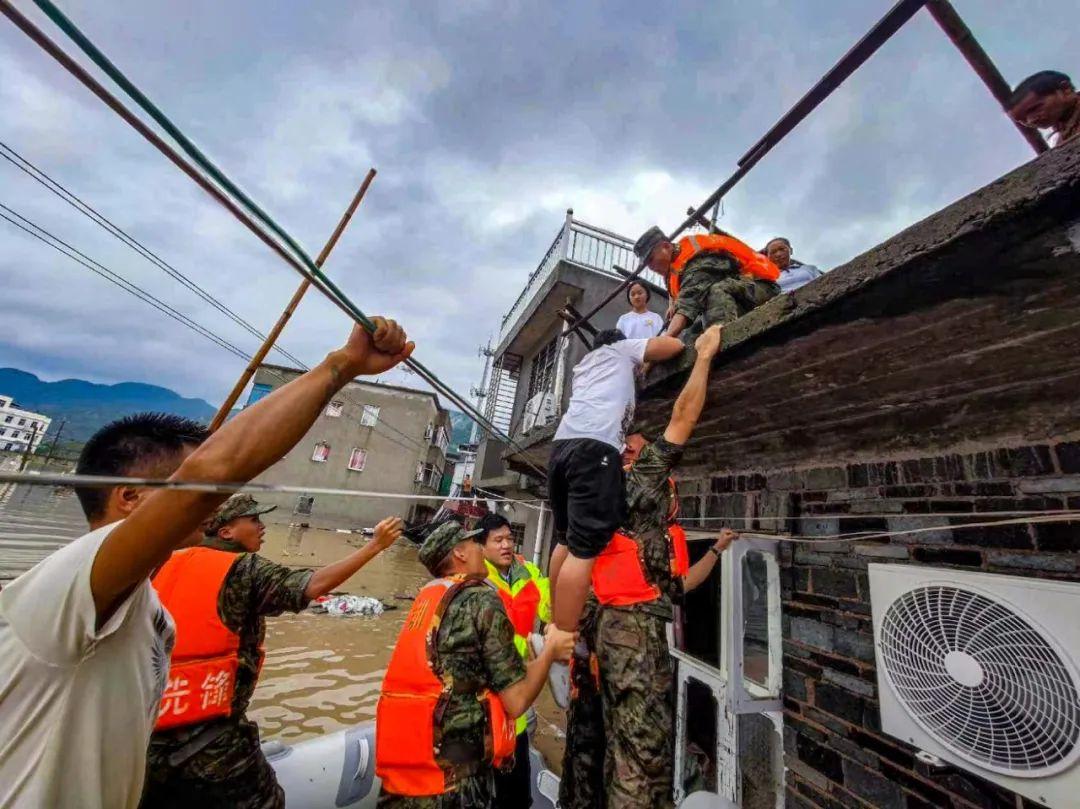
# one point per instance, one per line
(913, 415)
(529, 383)
(370, 437)
(20, 428)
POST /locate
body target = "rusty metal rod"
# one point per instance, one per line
(271, 338)
(851, 61)
(946, 16)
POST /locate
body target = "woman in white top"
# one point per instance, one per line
(639, 323)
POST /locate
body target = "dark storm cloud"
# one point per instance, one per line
(486, 121)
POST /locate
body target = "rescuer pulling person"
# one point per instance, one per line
(712, 276)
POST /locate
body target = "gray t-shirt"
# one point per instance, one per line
(602, 399)
(77, 701)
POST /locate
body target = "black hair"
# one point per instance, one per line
(783, 239)
(1042, 83)
(632, 284)
(607, 337)
(491, 522)
(143, 442)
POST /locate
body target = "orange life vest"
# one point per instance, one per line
(521, 606)
(751, 262)
(619, 576)
(202, 674)
(407, 733)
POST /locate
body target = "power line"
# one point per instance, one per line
(208, 177)
(81, 258)
(87, 210)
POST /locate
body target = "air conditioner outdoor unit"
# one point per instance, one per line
(981, 670)
(539, 410)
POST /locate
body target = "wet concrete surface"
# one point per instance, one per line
(322, 672)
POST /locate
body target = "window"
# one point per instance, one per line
(370, 416)
(8, 446)
(333, 410)
(357, 459)
(429, 432)
(428, 475)
(7, 419)
(303, 504)
(542, 373)
(22, 422)
(442, 440)
(321, 453)
(257, 392)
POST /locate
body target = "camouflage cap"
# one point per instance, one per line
(239, 505)
(649, 239)
(441, 541)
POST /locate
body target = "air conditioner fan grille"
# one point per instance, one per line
(981, 679)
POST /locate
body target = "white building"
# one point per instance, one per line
(20, 428)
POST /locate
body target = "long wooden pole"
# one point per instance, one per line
(271, 338)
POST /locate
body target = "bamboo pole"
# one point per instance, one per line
(271, 338)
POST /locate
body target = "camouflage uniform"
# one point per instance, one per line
(475, 650)
(582, 783)
(636, 670)
(713, 286)
(219, 763)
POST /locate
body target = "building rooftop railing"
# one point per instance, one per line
(582, 244)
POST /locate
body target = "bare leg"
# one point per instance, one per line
(558, 556)
(570, 590)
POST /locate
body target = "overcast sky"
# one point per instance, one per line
(486, 121)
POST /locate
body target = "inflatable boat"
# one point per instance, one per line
(337, 771)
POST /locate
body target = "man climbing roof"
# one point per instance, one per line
(712, 276)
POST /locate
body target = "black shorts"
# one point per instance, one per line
(585, 488)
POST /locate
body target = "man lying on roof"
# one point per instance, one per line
(709, 275)
(1047, 100)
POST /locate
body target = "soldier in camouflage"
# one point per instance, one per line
(582, 782)
(635, 671)
(713, 288)
(475, 651)
(220, 763)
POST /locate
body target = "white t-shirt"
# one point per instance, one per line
(77, 703)
(640, 326)
(602, 398)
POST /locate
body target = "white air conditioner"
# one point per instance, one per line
(981, 670)
(539, 410)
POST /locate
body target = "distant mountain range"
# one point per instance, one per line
(86, 406)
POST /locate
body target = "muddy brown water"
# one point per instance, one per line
(322, 672)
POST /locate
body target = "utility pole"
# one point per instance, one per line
(481, 392)
(55, 441)
(29, 445)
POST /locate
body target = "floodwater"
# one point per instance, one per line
(321, 672)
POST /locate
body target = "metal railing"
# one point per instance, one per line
(584, 245)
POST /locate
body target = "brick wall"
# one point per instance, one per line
(836, 755)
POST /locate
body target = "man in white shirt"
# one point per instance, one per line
(585, 475)
(84, 641)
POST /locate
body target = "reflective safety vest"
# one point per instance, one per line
(407, 733)
(620, 577)
(525, 601)
(202, 674)
(751, 262)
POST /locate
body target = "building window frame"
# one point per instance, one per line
(369, 417)
(335, 408)
(357, 459)
(321, 452)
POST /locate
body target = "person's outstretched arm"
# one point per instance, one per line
(662, 348)
(701, 569)
(245, 446)
(687, 410)
(557, 647)
(325, 579)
